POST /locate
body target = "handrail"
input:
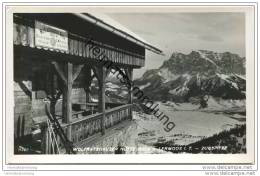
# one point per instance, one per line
(96, 115)
(82, 128)
(118, 107)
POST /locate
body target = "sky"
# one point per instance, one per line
(185, 32)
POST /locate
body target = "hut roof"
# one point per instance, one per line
(113, 26)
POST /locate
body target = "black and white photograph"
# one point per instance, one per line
(122, 81)
(77, 91)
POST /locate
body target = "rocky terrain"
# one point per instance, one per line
(195, 74)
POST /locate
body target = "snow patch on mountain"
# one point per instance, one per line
(167, 75)
(227, 79)
(181, 91)
(204, 56)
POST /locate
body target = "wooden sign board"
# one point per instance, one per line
(47, 36)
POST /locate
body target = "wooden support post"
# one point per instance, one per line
(102, 104)
(100, 72)
(65, 72)
(68, 78)
(129, 73)
(130, 70)
(67, 97)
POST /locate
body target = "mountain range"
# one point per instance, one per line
(198, 73)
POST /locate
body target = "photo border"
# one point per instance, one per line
(255, 4)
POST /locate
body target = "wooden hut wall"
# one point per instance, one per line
(22, 99)
(22, 109)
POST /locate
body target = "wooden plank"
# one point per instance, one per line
(118, 58)
(83, 49)
(113, 56)
(76, 47)
(107, 54)
(90, 50)
(71, 46)
(116, 55)
(80, 48)
(87, 50)
(110, 56)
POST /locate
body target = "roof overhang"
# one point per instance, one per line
(111, 25)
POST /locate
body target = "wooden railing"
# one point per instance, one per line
(90, 125)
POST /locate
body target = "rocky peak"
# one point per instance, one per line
(199, 72)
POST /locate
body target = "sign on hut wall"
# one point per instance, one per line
(50, 37)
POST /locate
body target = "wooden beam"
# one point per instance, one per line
(60, 71)
(77, 71)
